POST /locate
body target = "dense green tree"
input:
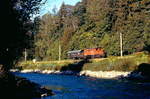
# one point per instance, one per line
(98, 23)
(14, 38)
(15, 26)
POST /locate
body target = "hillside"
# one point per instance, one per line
(91, 24)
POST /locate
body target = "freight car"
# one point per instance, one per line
(87, 53)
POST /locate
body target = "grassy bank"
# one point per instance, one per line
(126, 63)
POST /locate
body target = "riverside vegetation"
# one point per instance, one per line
(112, 63)
(134, 67)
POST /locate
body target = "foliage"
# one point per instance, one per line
(95, 23)
(15, 28)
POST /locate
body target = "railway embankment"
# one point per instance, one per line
(133, 66)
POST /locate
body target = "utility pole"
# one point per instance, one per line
(25, 55)
(121, 45)
(59, 51)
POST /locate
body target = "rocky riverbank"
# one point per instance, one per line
(96, 74)
(141, 74)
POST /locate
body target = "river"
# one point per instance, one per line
(75, 87)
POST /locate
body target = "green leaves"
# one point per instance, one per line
(97, 23)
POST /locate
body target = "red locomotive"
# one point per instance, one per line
(87, 53)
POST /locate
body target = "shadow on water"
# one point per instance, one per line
(144, 68)
(142, 73)
(76, 67)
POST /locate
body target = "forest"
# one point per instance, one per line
(91, 24)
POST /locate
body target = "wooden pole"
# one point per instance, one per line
(59, 51)
(25, 55)
(121, 45)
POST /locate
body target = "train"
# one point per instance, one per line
(87, 53)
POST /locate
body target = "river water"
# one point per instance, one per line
(75, 87)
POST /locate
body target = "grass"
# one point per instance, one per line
(125, 63)
(45, 65)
